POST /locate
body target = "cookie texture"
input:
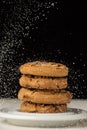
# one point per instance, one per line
(39, 68)
(44, 97)
(40, 108)
(44, 87)
(42, 82)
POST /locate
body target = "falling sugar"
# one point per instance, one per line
(21, 19)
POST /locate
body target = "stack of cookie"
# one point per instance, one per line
(43, 87)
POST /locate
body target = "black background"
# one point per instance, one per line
(43, 30)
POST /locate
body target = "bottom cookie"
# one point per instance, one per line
(42, 108)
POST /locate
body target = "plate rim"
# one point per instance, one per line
(45, 117)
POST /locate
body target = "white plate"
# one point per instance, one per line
(71, 117)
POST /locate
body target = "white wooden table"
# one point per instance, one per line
(82, 104)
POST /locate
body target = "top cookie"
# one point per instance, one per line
(39, 68)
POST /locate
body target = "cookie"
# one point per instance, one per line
(43, 82)
(40, 108)
(50, 69)
(44, 96)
